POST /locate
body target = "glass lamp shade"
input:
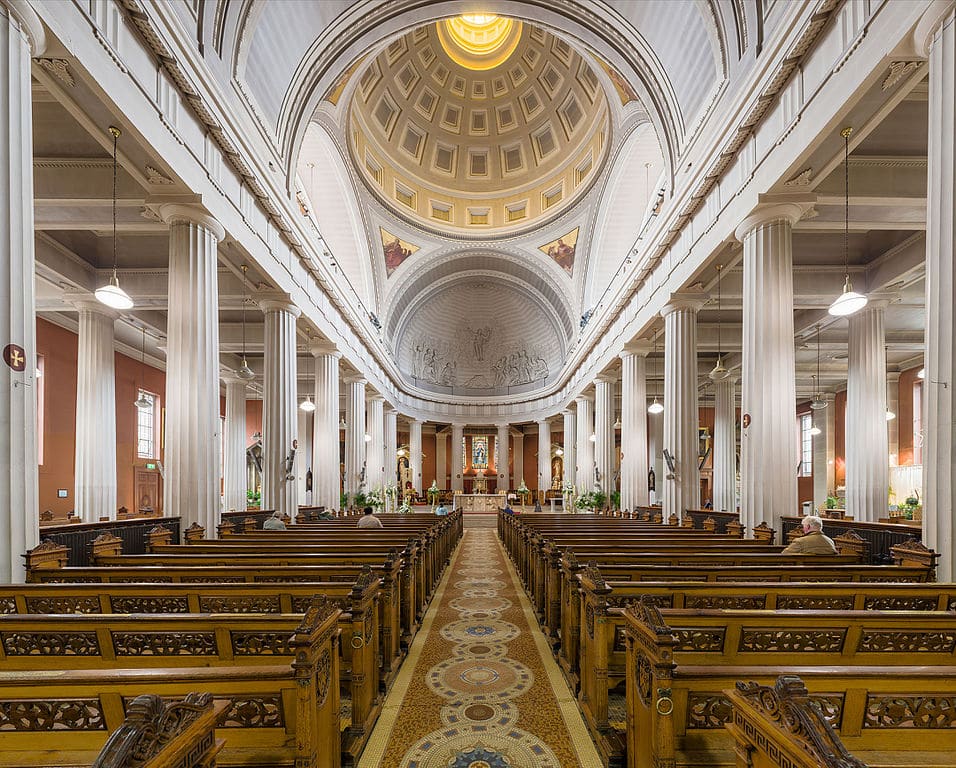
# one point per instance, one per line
(890, 415)
(921, 374)
(847, 302)
(143, 402)
(244, 371)
(307, 405)
(818, 403)
(368, 438)
(593, 438)
(113, 296)
(815, 430)
(655, 407)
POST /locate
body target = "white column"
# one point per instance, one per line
(21, 34)
(325, 427)
(893, 425)
(634, 459)
(937, 39)
(768, 441)
(867, 462)
(375, 448)
(725, 442)
(354, 436)
(544, 457)
(280, 408)
(584, 476)
(191, 456)
(391, 447)
(824, 452)
(441, 460)
(517, 458)
(303, 455)
(234, 445)
(569, 446)
(681, 486)
(95, 457)
(604, 432)
(457, 435)
(415, 451)
(501, 456)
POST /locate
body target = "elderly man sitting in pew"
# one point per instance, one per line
(813, 541)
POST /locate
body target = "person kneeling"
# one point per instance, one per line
(813, 541)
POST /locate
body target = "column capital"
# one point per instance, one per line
(567, 413)
(231, 378)
(29, 22)
(503, 424)
(771, 208)
(320, 348)
(277, 302)
(582, 398)
(640, 347)
(459, 424)
(605, 378)
(374, 397)
(929, 24)
(184, 213)
(412, 420)
(87, 303)
(544, 421)
(355, 379)
(684, 301)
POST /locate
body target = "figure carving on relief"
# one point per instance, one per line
(481, 337)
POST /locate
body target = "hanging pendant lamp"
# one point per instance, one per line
(143, 402)
(719, 371)
(848, 302)
(655, 407)
(818, 403)
(244, 371)
(307, 405)
(111, 294)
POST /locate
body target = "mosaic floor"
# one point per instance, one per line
(480, 688)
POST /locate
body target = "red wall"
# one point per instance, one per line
(58, 348)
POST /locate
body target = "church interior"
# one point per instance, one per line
(478, 383)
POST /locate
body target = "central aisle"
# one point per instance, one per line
(479, 686)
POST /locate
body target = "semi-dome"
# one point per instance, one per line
(478, 125)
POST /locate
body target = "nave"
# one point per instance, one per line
(479, 683)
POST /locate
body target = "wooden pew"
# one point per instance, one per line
(680, 662)
(166, 734)
(785, 725)
(394, 614)
(277, 714)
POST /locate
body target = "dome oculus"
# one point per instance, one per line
(479, 41)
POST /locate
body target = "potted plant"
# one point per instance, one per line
(523, 492)
(253, 499)
(616, 499)
(433, 494)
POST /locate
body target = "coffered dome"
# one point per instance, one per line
(478, 124)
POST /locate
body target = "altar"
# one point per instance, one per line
(479, 503)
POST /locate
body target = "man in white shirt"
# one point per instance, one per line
(368, 520)
(274, 523)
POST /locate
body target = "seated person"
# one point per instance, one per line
(442, 509)
(508, 510)
(368, 520)
(537, 506)
(274, 523)
(813, 542)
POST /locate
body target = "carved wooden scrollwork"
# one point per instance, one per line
(815, 603)
(252, 712)
(733, 602)
(149, 604)
(914, 711)
(63, 604)
(792, 640)
(164, 643)
(261, 644)
(243, 604)
(50, 644)
(912, 603)
(700, 640)
(323, 677)
(52, 715)
(644, 678)
(589, 620)
(891, 641)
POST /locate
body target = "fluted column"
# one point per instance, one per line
(375, 453)
(457, 435)
(95, 459)
(21, 35)
(501, 456)
(544, 457)
(681, 486)
(604, 432)
(893, 425)
(280, 408)
(303, 456)
(725, 442)
(584, 477)
(325, 427)
(517, 459)
(191, 486)
(234, 445)
(355, 470)
(824, 452)
(634, 460)
(415, 449)
(569, 446)
(768, 442)
(441, 460)
(867, 463)
(391, 448)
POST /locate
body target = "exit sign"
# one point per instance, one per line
(150, 465)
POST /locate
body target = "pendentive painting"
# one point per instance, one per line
(395, 250)
(562, 250)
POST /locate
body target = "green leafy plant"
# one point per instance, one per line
(616, 499)
(343, 500)
(591, 500)
(253, 498)
(832, 502)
